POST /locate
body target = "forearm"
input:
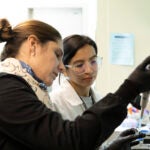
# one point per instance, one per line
(86, 132)
(128, 90)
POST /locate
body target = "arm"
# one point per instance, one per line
(26, 120)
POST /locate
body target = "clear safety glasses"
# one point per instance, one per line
(80, 67)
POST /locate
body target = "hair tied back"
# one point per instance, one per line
(5, 30)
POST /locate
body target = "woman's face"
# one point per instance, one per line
(84, 56)
(47, 62)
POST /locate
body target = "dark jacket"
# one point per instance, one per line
(27, 124)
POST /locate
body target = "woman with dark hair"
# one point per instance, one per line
(81, 62)
(31, 60)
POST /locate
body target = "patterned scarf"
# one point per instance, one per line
(13, 66)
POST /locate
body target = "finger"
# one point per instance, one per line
(134, 137)
(129, 132)
(144, 63)
(141, 135)
(131, 138)
(134, 143)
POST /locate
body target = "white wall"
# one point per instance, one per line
(14, 11)
(118, 16)
(68, 16)
(66, 20)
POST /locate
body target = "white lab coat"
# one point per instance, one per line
(66, 101)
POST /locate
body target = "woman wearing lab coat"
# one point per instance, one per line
(75, 91)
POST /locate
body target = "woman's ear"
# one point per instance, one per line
(33, 42)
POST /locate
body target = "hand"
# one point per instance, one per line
(125, 140)
(137, 102)
(141, 76)
(138, 82)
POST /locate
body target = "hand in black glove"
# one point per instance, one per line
(141, 76)
(137, 102)
(125, 140)
(137, 82)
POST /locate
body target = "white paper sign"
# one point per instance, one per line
(122, 49)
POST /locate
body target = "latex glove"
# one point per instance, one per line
(137, 82)
(141, 76)
(125, 140)
(137, 102)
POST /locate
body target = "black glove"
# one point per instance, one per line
(125, 140)
(137, 102)
(137, 82)
(141, 76)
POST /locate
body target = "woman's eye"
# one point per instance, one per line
(93, 62)
(58, 55)
(78, 65)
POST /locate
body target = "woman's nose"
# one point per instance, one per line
(61, 67)
(88, 68)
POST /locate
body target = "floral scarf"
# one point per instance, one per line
(13, 66)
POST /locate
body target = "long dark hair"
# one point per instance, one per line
(73, 43)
